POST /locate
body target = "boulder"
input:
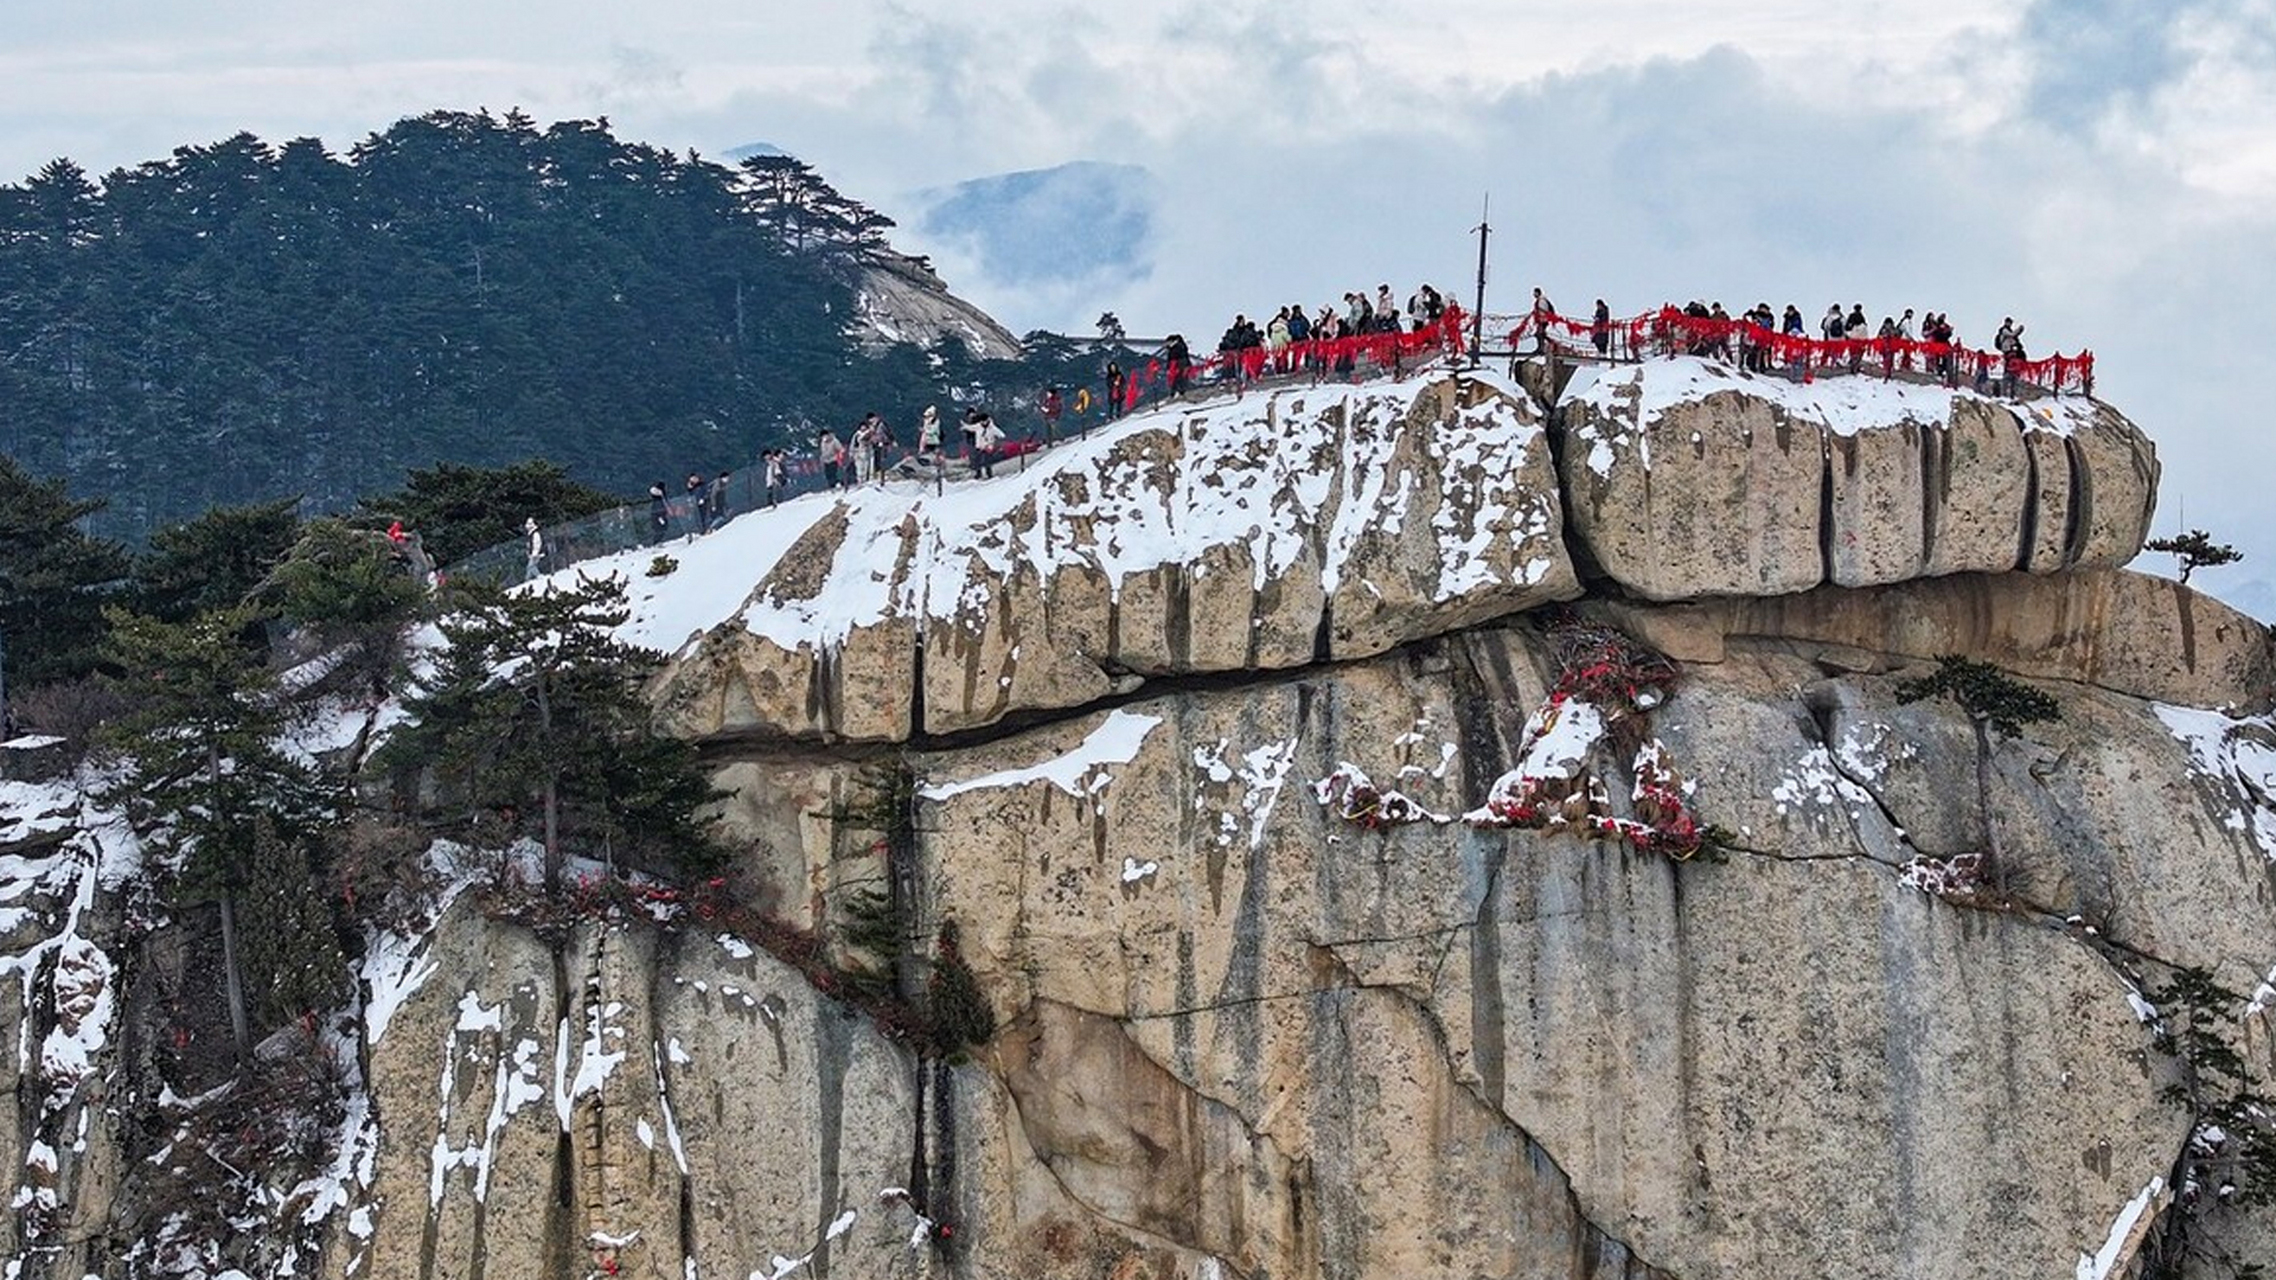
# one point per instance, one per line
(1686, 478)
(1296, 526)
(2123, 631)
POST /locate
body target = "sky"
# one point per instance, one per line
(2104, 171)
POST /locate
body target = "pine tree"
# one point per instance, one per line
(213, 561)
(534, 714)
(459, 509)
(803, 210)
(52, 576)
(2195, 550)
(1994, 702)
(354, 593)
(209, 780)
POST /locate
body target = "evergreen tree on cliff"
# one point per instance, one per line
(51, 577)
(237, 814)
(533, 717)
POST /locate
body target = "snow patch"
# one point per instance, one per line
(1081, 772)
(2104, 1261)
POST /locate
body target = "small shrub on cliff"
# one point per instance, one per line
(73, 710)
(2195, 550)
(1994, 702)
(960, 1013)
(1990, 696)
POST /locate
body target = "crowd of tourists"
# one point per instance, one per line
(1764, 340)
(1364, 331)
(1370, 329)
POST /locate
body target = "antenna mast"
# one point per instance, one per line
(1478, 313)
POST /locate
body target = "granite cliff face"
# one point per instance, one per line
(1687, 478)
(1207, 720)
(900, 300)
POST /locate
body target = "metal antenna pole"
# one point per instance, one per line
(1478, 313)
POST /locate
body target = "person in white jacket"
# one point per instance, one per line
(986, 438)
(928, 436)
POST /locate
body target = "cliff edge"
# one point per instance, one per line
(1396, 829)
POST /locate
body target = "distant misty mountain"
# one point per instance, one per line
(749, 149)
(1047, 226)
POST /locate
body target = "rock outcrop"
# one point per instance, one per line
(1686, 478)
(1245, 1025)
(1295, 527)
(900, 301)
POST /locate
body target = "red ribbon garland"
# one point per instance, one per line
(1670, 331)
(1385, 350)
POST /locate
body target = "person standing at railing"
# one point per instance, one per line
(1855, 332)
(1358, 315)
(1276, 340)
(830, 453)
(1936, 331)
(1426, 307)
(770, 465)
(1179, 357)
(886, 444)
(987, 437)
(715, 502)
(534, 564)
(1231, 346)
(1600, 329)
(1339, 344)
(1754, 337)
(1544, 311)
(928, 435)
(695, 504)
(2009, 343)
(1051, 406)
(865, 448)
(659, 513)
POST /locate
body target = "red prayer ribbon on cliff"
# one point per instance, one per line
(1669, 331)
(1383, 350)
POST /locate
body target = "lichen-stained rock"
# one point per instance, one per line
(1974, 481)
(1264, 533)
(2123, 631)
(1686, 478)
(1691, 1049)
(2048, 544)
(463, 1080)
(2114, 474)
(1712, 495)
(640, 1104)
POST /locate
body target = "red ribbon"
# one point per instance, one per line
(1669, 331)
